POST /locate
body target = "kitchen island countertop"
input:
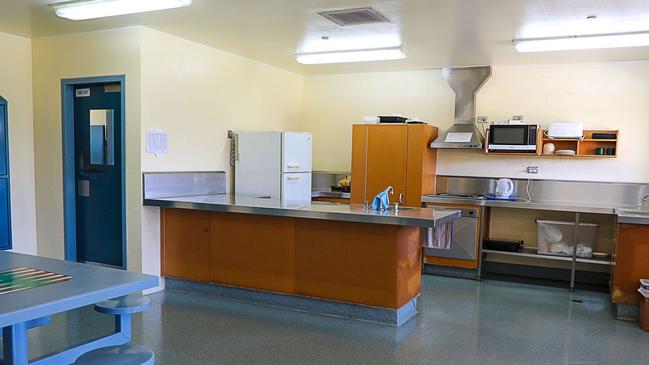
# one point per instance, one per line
(405, 216)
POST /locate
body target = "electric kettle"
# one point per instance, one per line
(504, 188)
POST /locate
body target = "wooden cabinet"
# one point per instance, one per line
(227, 248)
(394, 155)
(377, 265)
(252, 251)
(631, 263)
(185, 238)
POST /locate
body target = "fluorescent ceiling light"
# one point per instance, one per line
(92, 9)
(595, 41)
(362, 55)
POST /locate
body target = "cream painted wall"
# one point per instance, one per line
(16, 87)
(196, 93)
(603, 95)
(332, 103)
(115, 52)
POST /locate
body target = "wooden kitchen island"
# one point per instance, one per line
(332, 259)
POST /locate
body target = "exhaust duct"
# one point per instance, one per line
(465, 82)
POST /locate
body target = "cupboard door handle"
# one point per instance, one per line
(293, 177)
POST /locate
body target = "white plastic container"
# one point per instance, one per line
(566, 130)
(556, 238)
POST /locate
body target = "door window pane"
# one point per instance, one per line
(102, 137)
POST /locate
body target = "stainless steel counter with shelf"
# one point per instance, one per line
(551, 195)
(619, 200)
(531, 252)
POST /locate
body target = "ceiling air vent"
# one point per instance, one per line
(356, 16)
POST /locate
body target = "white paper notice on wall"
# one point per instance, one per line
(458, 137)
(157, 141)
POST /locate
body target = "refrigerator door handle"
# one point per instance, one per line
(293, 165)
(293, 177)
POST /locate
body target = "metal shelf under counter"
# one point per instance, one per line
(530, 252)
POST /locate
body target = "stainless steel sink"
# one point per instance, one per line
(633, 216)
(634, 212)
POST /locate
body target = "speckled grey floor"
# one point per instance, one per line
(461, 322)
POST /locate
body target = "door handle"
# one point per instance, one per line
(293, 177)
(293, 165)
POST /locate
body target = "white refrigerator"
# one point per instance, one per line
(273, 164)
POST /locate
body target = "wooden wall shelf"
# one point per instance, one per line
(584, 148)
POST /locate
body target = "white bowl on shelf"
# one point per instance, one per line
(565, 152)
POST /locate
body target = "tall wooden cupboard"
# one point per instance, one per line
(394, 155)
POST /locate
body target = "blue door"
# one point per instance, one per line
(98, 174)
(5, 207)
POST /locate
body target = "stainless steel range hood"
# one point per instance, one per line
(465, 81)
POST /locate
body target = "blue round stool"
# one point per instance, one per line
(118, 355)
(128, 304)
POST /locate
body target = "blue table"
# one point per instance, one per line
(88, 285)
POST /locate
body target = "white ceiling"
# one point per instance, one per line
(435, 33)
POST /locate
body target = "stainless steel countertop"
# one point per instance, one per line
(330, 194)
(633, 216)
(538, 205)
(406, 216)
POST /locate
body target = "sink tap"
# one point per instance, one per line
(389, 190)
(645, 200)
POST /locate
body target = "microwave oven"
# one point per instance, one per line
(513, 138)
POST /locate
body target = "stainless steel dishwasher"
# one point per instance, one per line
(466, 232)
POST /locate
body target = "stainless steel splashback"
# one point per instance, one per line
(550, 190)
(174, 184)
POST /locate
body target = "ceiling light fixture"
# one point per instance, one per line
(361, 55)
(594, 41)
(92, 9)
